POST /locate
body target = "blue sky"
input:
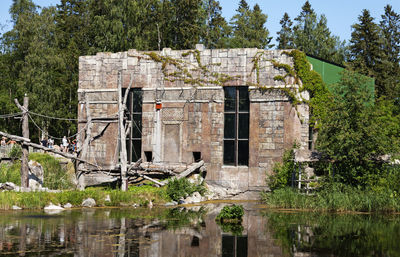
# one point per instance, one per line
(341, 14)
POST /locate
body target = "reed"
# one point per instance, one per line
(335, 199)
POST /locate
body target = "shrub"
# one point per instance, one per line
(282, 172)
(15, 152)
(181, 188)
(230, 214)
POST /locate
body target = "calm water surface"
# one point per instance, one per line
(192, 231)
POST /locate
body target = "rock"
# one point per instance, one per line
(181, 201)
(173, 203)
(67, 206)
(150, 204)
(196, 179)
(51, 206)
(35, 175)
(7, 186)
(135, 205)
(196, 197)
(107, 199)
(53, 209)
(89, 202)
(16, 207)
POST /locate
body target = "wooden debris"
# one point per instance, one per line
(28, 142)
(15, 138)
(193, 167)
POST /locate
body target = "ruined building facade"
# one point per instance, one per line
(224, 106)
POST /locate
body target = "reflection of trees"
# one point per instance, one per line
(336, 235)
(114, 232)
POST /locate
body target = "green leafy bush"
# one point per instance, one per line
(15, 152)
(235, 229)
(181, 188)
(231, 214)
(282, 172)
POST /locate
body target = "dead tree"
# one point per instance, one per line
(25, 148)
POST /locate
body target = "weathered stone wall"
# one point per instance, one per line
(189, 85)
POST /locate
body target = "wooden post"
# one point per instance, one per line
(25, 148)
(122, 138)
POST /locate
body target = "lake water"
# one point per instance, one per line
(192, 231)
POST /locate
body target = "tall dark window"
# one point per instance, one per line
(236, 127)
(134, 119)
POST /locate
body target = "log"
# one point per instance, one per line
(190, 169)
(122, 137)
(15, 138)
(135, 165)
(66, 155)
(146, 177)
(27, 141)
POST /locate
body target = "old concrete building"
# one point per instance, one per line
(224, 106)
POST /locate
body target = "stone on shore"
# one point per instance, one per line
(89, 202)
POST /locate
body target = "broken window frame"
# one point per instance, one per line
(236, 133)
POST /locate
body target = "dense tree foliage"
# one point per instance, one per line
(311, 35)
(285, 35)
(248, 27)
(358, 132)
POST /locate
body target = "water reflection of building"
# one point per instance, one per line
(101, 233)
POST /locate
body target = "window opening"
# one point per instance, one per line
(197, 156)
(236, 126)
(149, 156)
(134, 120)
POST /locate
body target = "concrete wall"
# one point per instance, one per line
(192, 115)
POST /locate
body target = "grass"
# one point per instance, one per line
(55, 176)
(335, 199)
(37, 200)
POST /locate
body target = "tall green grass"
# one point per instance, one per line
(37, 200)
(55, 175)
(335, 199)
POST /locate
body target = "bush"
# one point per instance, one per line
(282, 172)
(181, 188)
(15, 152)
(231, 214)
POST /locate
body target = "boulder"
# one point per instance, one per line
(7, 186)
(51, 206)
(16, 207)
(107, 199)
(89, 202)
(67, 206)
(196, 179)
(35, 175)
(173, 203)
(194, 198)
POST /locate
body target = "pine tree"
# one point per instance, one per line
(248, 27)
(217, 31)
(285, 35)
(187, 23)
(390, 27)
(366, 52)
(312, 36)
